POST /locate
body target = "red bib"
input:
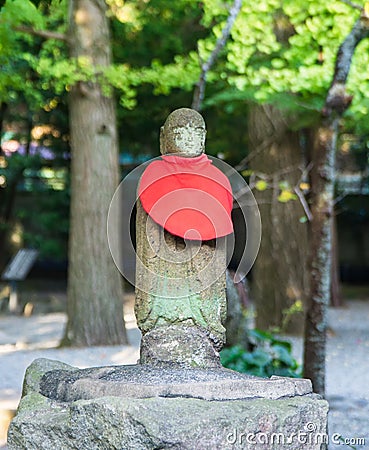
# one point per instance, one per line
(189, 197)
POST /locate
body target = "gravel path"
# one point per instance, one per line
(24, 339)
(347, 375)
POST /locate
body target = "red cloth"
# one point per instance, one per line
(189, 197)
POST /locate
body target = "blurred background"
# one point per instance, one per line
(277, 107)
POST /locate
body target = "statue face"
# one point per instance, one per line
(184, 132)
(189, 139)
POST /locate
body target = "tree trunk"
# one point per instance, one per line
(279, 275)
(323, 144)
(322, 187)
(336, 298)
(95, 295)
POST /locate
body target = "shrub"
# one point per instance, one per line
(268, 355)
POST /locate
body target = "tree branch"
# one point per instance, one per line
(337, 99)
(199, 92)
(42, 33)
(268, 141)
(303, 202)
(353, 5)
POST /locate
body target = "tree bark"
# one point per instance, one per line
(336, 298)
(95, 295)
(279, 274)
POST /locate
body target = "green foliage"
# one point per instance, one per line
(269, 356)
(155, 65)
(163, 78)
(138, 62)
(296, 308)
(261, 185)
(284, 54)
(11, 167)
(278, 53)
(19, 50)
(46, 225)
(16, 12)
(13, 65)
(286, 195)
(41, 210)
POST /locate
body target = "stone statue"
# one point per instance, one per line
(181, 310)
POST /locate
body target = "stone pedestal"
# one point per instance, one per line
(146, 407)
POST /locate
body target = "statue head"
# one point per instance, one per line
(183, 132)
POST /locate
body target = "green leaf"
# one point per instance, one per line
(286, 195)
(247, 173)
(260, 335)
(282, 354)
(258, 358)
(277, 63)
(261, 185)
(284, 185)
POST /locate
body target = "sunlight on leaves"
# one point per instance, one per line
(285, 196)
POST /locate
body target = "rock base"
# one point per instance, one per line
(185, 410)
(189, 346)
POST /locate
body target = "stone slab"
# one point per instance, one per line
(144, 381)
(164, 419)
